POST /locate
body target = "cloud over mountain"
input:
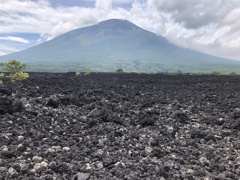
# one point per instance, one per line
(210, 26)
(116, 43)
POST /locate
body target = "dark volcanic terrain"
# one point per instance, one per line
(125, 126)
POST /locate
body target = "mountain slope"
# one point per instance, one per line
(114, 44)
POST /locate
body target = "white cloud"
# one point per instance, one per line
(210, 26)
(103, 4)
(16, 39)
(123, 1)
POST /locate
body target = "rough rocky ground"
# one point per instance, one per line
(127, 126)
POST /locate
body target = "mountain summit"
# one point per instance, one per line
(114, 44)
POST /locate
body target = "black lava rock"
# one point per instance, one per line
(128, 126)
(81, 176)
(197, 133)
(53, 101)
(16, 106)
(5, 91)
(236, 124)
(182, 117)
(147, 121)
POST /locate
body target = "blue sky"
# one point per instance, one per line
(208, 26)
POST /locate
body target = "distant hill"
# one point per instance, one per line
(114, 44)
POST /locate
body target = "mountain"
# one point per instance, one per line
(114, 44)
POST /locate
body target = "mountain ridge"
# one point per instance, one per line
(113, 44)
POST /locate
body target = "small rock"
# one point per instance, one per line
(57, 148)
(5, 91)
(204, 161)
(51, 150)
(173, 156)
(197, 133)
(52, 165)
(119, 164)
(39, 165)
(44, 164)
(8, 154)
(3, 169)
(48, 177)
(37, 158)
(236, 124)
(4, 149)
(147, 121)
(45, 109)
(154, 142)
(16, 106)
(95, 113)
(24, 167)
(182, 117)
(53, 101)
(108, 161)
(148, 150)
(20, 138)
(12, 172)
(176, 176)
(237, 161)
(190, 171)
(236, 114)
(100, 165)
(21, 147)
(87, 160)
(66, 149)
(220, 121)
(169, 129)
(81, 176)
(88, 166)
(158, 153)
(99, 152)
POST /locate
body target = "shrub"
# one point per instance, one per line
(217, 73)
(88, 71)
(15, 70)
(232, 74)
(78, 74)
(168, 73)
(1, 76)
(199, 73)
(119, 71)
(179, 72)
(18, 76)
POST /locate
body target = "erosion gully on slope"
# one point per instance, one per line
(120, 126)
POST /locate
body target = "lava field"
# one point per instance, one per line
(120, 126)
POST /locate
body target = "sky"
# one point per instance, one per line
(210, 26)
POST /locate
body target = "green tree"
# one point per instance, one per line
(13, 66)
(15, 69)
(119, 71)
